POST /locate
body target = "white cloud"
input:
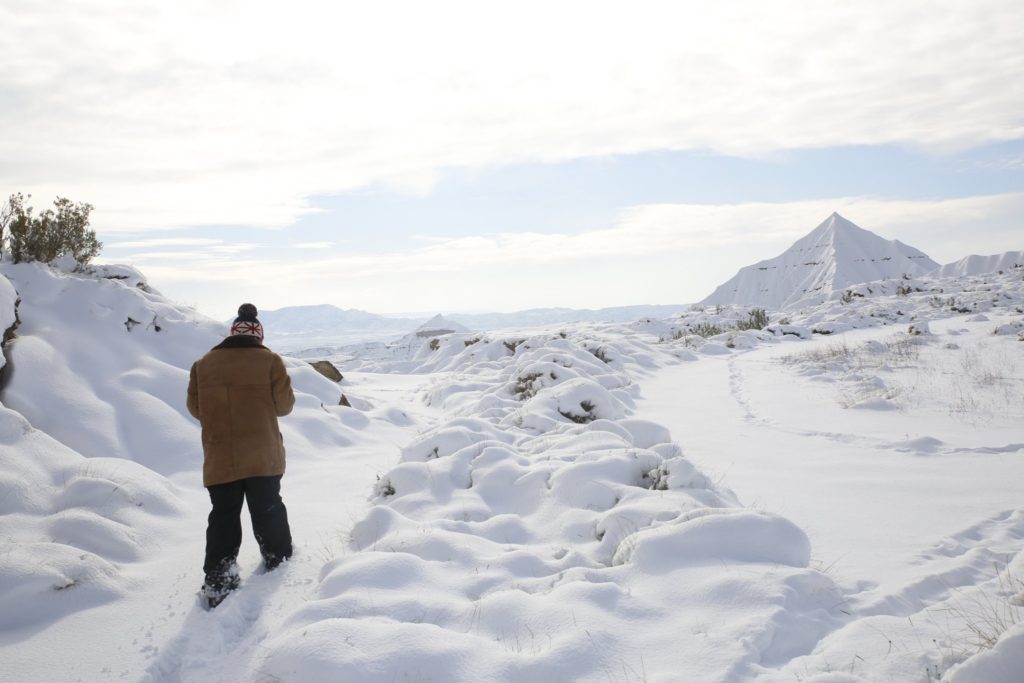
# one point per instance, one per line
(188, 113)
(162, 242)
(659, 253)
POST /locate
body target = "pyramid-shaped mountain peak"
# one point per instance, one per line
(835, 255)
(835, 226)
(439, 324)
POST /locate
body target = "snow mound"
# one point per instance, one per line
(69, 524)
(538, 533)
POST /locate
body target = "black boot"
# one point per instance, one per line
(219, 584)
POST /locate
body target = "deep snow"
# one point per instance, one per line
(607, 502)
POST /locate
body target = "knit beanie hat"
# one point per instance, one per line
(246, 323)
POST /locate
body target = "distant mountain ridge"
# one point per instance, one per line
(300, 327)
(547, 316)
(833, 256)
(977, 265)
(316, 318)
(325, 325)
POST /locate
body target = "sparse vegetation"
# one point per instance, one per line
(656, 479)
(512, 344)
(49, 235)
(820, 356)
(526, 386)
(706, 329)
(900, 350)
(757, 319)
(585, 417)
(383, 487)
(986, 615)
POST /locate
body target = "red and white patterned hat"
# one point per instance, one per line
(246, 323)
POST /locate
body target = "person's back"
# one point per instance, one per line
(237, 391)
(244, 389)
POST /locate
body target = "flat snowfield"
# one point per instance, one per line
(910, 501)
(662, 501)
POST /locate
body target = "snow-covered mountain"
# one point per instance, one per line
(322, 327)
(977, 265)
(833, 256)
(298, 327)
(439, 325)
(554, 316)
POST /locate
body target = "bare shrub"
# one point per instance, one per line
(757, 319)
(987, 614)
(706, 329)
(587, 416)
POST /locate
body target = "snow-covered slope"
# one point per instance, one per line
(93, 429)
(99, 364)
(533, 505)
(978, 265)
(833, 256)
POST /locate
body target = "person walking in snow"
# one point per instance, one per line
(237, 391)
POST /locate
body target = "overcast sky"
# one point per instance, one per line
(445, 156)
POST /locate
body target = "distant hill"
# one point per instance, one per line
(439, 325)
(305, 327)
(833, 256)
(549, 316)
(297, 327)
(977, 265)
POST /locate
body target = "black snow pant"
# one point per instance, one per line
(224, 529)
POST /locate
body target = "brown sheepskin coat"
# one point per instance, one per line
(237, 391)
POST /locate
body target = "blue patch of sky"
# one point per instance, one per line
(589, 193)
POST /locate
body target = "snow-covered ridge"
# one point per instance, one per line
(980, 265)
(833, 256)
(900, 300)
(903, 300)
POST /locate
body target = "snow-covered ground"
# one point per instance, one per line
(595, 502)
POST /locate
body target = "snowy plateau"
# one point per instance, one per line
(834, 497)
